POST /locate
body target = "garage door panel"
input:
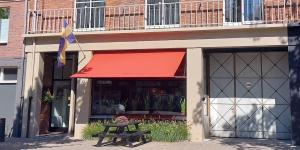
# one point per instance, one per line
(275, 64)
(277, 118)
(222, 117)
(223, 133)
(247, 134)
(222, 91)
(248, 118)
(248, 91)
(248, 65)
(276, 91)
(249, 95)
(221, 65)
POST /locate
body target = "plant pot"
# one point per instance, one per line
(45, 118)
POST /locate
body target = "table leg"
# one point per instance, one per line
(137, 128)
(102, 136)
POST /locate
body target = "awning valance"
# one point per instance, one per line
(134, 64)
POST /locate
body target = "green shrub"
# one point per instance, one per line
(162, 131)
(92, 129)
(166, 131)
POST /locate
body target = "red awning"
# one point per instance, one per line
(133, 64)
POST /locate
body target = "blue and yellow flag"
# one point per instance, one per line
(67, 37)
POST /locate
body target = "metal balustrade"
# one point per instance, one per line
(210, 13)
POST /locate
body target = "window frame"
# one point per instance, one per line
(243, 21)
(7, 20)
(163, 25)
(89, 28)
(2, 81)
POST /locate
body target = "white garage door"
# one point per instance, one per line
(249, 95)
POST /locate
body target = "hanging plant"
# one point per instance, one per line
(48, 97)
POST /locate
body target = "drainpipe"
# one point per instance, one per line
(23, 68)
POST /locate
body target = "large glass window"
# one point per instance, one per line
(4, 24)
(243, 10)
(163, 12)
(90, 14)
(138, 97)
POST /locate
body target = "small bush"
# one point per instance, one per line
(170, 131)
(162, 131)
(92, 130)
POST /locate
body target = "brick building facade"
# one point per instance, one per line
(234, 55)
(11, 65)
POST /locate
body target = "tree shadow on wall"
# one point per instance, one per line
(250, 124)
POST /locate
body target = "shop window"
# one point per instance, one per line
(8, 75)
(162, 12)
(4, 24)
(90, 14)
(166, 97)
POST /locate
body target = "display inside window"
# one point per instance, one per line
(112, 97)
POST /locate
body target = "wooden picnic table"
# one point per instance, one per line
(121, 130)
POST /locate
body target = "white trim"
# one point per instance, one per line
(243, 22)
(163, 25)
(90, 7)
(2, 81)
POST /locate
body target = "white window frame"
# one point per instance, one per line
(88, 28)
(243, 22)
(163, 25)
(2, 76)
(6, 31)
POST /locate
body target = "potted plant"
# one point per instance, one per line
(47, 98)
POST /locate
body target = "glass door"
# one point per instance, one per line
(243, 11)
(253, 11)
(90, 14)
(60, 105)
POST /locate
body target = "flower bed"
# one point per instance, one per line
(162, 131)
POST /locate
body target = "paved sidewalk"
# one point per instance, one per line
(62, 142)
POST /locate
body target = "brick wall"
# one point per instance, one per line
(14, 47)
(131, 14)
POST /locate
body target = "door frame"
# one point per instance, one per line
(243, 22)
(55, 129)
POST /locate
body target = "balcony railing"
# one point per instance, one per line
(210, 13)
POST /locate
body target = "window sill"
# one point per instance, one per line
(3, 43)
(8, 82)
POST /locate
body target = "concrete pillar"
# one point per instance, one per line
(33, 90)
(83, 97)
(195, 92)
(72, 100)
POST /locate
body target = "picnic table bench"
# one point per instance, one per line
(121, 130)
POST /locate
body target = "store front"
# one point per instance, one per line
(139, 99)
(138, 84)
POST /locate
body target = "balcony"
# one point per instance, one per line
(210, 13)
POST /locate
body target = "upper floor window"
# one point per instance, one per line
(8, 75)
(4, 24)
(90, 14)
(162, 12)
(245, 11)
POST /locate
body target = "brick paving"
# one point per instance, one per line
(63, 142)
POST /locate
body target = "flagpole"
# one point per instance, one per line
(80, 49)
